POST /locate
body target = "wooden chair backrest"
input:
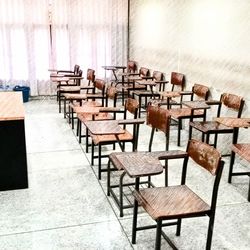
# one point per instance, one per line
(131, 67)
(204, 155)
(78, 81)
(201, 91)
(177, 79)
(100, 85)
(76, 69)
(144, 71)
(158, 76)
(132, 105)
(111, 92)
(233, 102)
(91, 75)
(158, 118)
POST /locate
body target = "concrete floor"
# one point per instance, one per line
(66, 207)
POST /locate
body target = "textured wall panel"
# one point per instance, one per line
(207, 40)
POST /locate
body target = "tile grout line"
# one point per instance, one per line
(116, 216)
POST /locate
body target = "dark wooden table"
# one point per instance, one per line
(13, 160)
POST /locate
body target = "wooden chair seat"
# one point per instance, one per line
(184, 112)
(89, 117)
(199, 92)
(178, 202)
(75, 104)
(170, 202)
(228, 103)
(127, 136)
(78, 96)
(70, 88)
(146, 93)
(135, 86)
(210, 126)
(137, 163)
(243, 150)
(74, 96)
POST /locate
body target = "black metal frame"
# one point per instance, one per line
(79, 123)
(159, 224)
(134, 141)
(149, 93)
(178, 121)
(232, 160)
(77, 82)
(216, 132)
(110, 187)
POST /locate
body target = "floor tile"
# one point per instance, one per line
(55, 198)
(66, 207)
(104, 235)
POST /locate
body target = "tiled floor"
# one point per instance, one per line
(66, 207)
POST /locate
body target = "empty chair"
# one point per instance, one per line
(131, 106)
(131, 81)
(177, 80)
(73, 88)
(159, 120)
(64, 78)
(199, 92)
(97, 113)
(123, 79)
(243, 151)
(77, 99)
(179, 202)
(90, 79)
(227, 102)
(65, 73)
(131, 69)
(155, 81)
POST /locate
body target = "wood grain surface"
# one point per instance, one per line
(11, 106)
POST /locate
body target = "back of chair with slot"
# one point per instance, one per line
(158, 118)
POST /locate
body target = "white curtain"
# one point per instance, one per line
(39, 34)
(24, 39)
(90, 33)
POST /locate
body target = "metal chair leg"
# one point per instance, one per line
(158, 235)
(99, 161)
(135, 213)
(121, 193)
(80, 131)
(179, 133)
(178, 229)
(92, 153)
(134, 226)
(248, 198)
(87, 139)
(215, 140)
(108, 178)
(202, 136)
(72, 118)
(210, 232)
(232, 159)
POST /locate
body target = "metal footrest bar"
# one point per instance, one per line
(240, 173)
(154, 226)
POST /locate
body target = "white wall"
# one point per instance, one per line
(207, 40)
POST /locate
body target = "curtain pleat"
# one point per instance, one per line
(36, 35)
